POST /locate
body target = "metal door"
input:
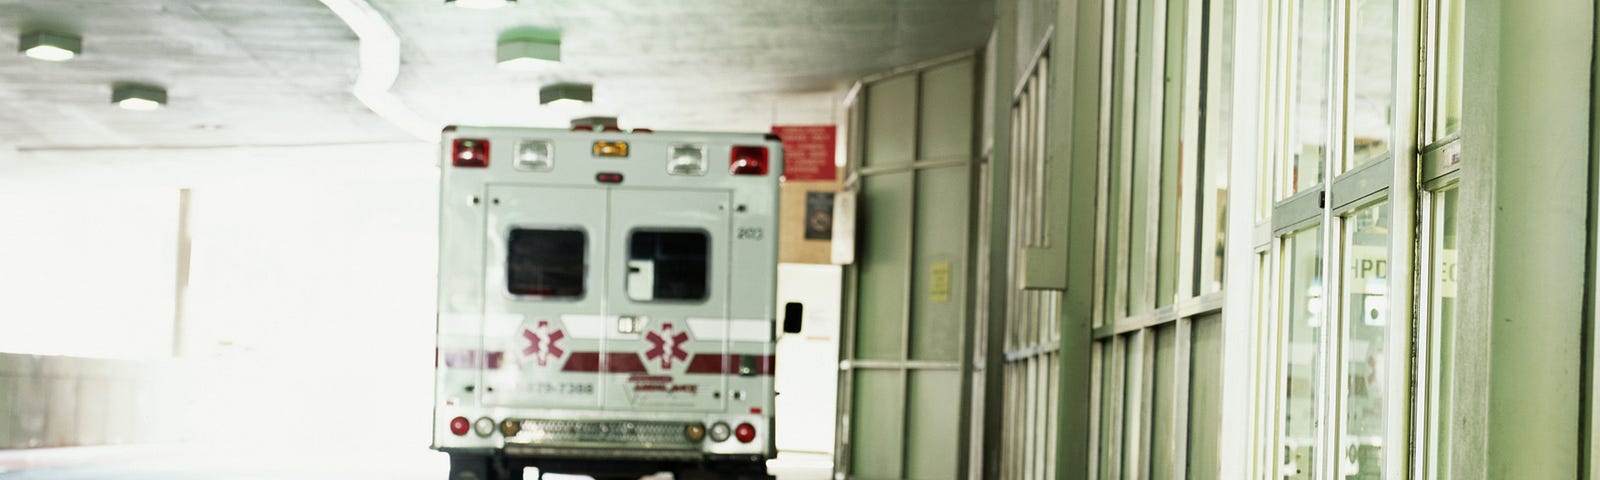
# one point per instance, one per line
(904, 384)
(666, 324)
(543, 296)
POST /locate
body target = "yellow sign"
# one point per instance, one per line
(939, 282)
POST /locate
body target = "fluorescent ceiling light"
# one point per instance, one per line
(527, 48)
(479, 4)
(138, 97)
(50, 47)
(566, 94)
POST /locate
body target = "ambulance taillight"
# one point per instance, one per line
(469, 152)
(460, 426)
(746, 433)
(747, 160)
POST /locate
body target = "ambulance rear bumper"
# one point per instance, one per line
(603, 453)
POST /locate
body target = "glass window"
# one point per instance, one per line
(1372, 81)
(1308, 115)
(546, 263)
(1366, 342)
(1451, 21)
(1441, 320)
(1302, 336)
(668, 265)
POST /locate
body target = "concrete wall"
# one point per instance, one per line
(50, 401)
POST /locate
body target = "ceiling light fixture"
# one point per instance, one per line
(479, 4)
(524, 49)
(566, 94)
(50, 46)
(132, 96)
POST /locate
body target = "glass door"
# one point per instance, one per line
(1341, 199)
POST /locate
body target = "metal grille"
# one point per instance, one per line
(1032, 343)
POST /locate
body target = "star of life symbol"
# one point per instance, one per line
(666, 345)
(543, 343)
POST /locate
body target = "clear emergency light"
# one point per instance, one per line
(747, 160)
(469, 152)
(686, 160)
(534, 156)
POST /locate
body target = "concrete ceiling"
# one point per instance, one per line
(280, 72)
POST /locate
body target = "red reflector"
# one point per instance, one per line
(583, 128)
(611, 128)
(748, 160)
(460, 426)
(745, 433)
(608, 177)
(643, 130)
(755, 410)
(469, 152)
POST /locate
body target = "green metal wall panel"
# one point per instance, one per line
(946, 112)
(932, 440)
(885, 233)
(937, 317)
(891, 124)
(877, 431)
(911, 325)
(1205, 398)
(1162, 402)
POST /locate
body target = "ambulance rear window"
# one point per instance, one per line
(669, 265)
(546, 263)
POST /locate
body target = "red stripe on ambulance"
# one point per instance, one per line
(614, 363)
(729, 364)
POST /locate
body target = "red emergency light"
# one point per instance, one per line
(469, 152)
(747, 160)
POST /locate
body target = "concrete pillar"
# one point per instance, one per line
(1524, 188)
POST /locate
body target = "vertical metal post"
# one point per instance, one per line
(181, 290)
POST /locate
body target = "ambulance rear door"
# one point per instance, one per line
(667, 284)
(544, 296)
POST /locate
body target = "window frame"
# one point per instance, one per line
(710, 259)
(586, 263)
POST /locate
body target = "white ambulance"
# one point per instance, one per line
(606, 302)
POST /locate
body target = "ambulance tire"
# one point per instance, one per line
(481, 467)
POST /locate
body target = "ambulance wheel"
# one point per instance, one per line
(481, 467)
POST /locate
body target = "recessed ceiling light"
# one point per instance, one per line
(480, 4)
(138, 97)
(566, 94)
(524, 49)
(49, 46)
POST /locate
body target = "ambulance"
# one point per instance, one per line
(606, 302)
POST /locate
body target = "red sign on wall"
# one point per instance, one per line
(808, 152)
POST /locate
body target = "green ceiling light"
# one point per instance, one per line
(566, 94)
(134, 96)
(50, 46)
(479, 4)
(527, 48)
